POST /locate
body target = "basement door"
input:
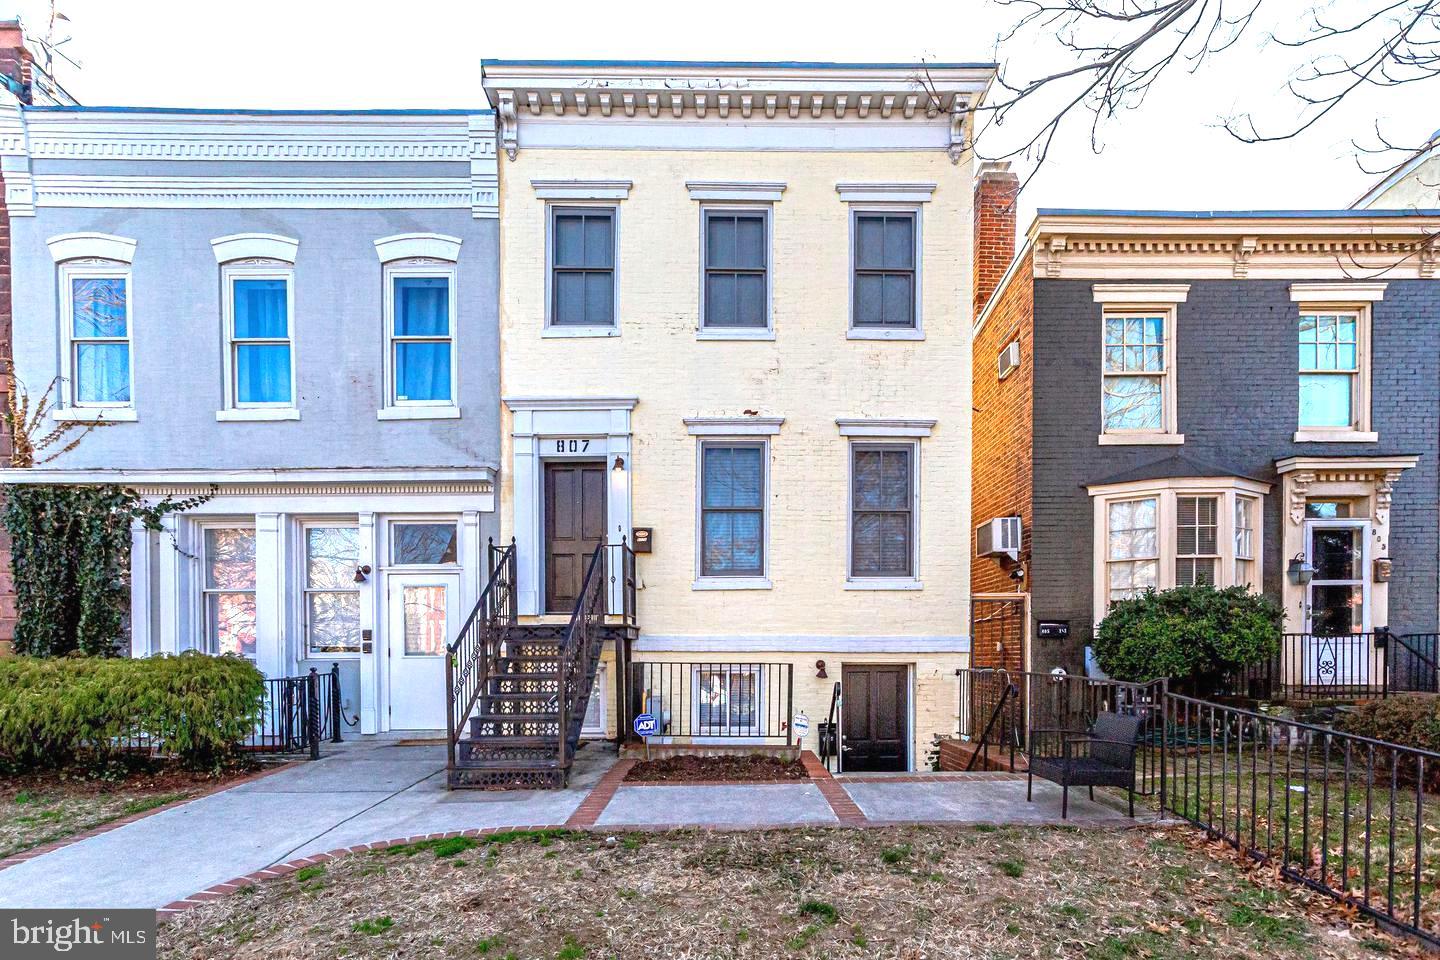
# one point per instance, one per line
(423, 616)
(574, 527)
(874, 717)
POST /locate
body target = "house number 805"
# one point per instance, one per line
(572, 446)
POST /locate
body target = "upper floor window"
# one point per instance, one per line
(732, 509)
(582, 267)
(259, 364)
(882, 511)
(885, 259)
(736, 294)
(96, 326)
(421, 334)
(1333, 370)
(1137, 374)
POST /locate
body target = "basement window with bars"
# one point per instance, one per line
(727, 701)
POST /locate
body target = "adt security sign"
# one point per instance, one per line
(646, 725)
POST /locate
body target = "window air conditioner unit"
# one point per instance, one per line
(1008, 360)
(997, 537)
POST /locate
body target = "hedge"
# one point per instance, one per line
(1411, 720)
(57, 711)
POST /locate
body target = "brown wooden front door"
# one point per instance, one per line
(574, 527)
(875, 717)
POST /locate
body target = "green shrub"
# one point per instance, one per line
(1411, 720)
(1189, 634)
(197, 708)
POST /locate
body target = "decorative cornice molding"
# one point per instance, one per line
(54, 190)
(867, 427)
(733, 426)
(1337, 291)
(272, 482)
(582, 189)
(885, 192)
(243, 246)
(404, 246)
(571, 403)
(738, 190)
(1140, 292)
(102, 246)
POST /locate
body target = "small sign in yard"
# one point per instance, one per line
(800, 725)
(646, 725)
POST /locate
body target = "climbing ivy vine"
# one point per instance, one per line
(71, 557)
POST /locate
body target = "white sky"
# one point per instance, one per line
(1170, 154)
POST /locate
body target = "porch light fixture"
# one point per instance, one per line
(360, 573)
(820, 670)
(1300, 570)
(619, 465)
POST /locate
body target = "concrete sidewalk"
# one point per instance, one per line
(374, 789)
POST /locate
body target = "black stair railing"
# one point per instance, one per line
(1414, 663)
(580, 651)
(470, 659)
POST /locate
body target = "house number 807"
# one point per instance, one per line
(572, 446)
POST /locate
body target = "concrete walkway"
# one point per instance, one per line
(373, 790)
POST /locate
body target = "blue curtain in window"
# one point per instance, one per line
(102, 366)
(262, 370)
(422, 366)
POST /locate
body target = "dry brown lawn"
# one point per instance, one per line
(899, 892)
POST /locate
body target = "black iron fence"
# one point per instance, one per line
(698, 702)
(299, 713)
(1342, 814)
(1414, 663)
(1313, 667)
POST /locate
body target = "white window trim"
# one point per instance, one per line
(767, 332)
(581, 189)
(229, 273)
(71, 409)
(1140, 294)
(736, 191)
(894, 192)
(98, 246)
(248, 246)
(1164, 492)
(913, 207)
(302, 583)
(203, 641)
(408, 246)
(1170, 433)
(912, 582)
(720, 734)
(566, 331)
(1355, 298)
(394, 408)
(733, 426)
(877, 429)
(701, 580)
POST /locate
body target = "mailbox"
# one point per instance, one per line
(641, 538)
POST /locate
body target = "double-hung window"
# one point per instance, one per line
(96, 323)
(727, 701)
(1197, 540)
(882, 511)
(884, 260)
(1132, 549)
(736, 294)
(260, 371)
(582, 267)
(1329, 370)
(228, 588)
(732, 509)
(1135, 373)
(332, 597)
(1245, 510)
(420, 330)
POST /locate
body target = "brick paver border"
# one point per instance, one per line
(846, 810)
(30, 854)
(600, 796)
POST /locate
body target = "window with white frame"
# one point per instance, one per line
(1159, 534)
(332, 597)
(1330, 370)
(732, 508)
(885, 260)
(594, 723)
(420, 334)
(582, 266)
(423, 543)
(1245, 510)
(727, 700)
(258, 302)
(95, 327)
(736, 258)
(882, 510)
(228, 589)
(1137, 387)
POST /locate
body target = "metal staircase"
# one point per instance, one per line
(518, 692)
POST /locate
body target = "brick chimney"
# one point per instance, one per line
(15, 60)
(996, 189)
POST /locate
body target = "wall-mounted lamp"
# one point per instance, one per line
(820, 670)
(619, 465)
(361, 572)
(1300, 570)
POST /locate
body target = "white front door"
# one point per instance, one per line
(1338, 602)
(423, 615)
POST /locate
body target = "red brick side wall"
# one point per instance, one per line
(1003, 427)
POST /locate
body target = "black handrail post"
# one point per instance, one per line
(789, 718)
(334, 703)
(1164, 740)
(312, 712)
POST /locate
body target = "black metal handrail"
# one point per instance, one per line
(620, 561)
(298, 713)
(580, 650)
(753, 703)
(829, 738)
(1315, 666)
(470, 658)
(1413, 663)
(1346, 815)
